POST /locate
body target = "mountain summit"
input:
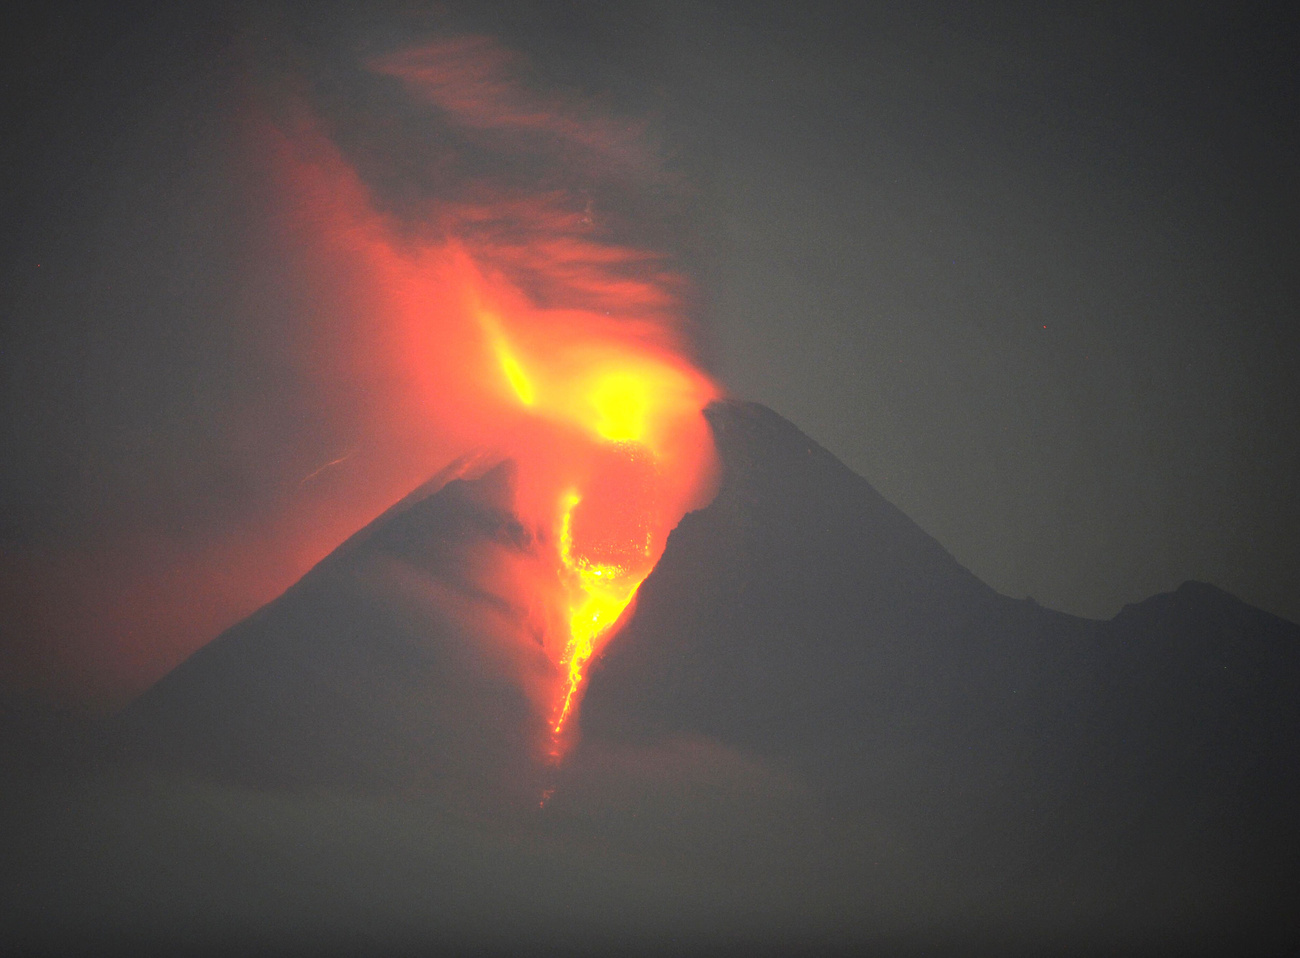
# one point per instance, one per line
(802, 618)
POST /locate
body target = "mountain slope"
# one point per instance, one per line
(809, 682)
(392, 663)
(804, 619)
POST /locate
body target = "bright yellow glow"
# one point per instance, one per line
(518, 379)
(623, 411)
(621, 401)
(603, 592)
(514, 371)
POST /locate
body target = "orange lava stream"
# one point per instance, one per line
(627, 478)
(509, 319)
(603, 591)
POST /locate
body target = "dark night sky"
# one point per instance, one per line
(1031, 269)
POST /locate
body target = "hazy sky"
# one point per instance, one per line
(1031, 269)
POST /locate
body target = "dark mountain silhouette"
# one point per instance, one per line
(386, 666)
(1006, 752)
(804, 618)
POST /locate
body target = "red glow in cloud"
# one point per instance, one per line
(525, 329)
(473, 81)
(486, 316)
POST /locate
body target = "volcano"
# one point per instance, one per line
(926, 725)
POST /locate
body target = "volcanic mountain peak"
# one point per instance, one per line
(800, 621)
(473, 490)
(802, 618)
(779, 485)
(371, 667)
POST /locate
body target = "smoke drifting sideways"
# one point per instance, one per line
(448, 261)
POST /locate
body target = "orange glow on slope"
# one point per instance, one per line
(589, 393)
(531, 331)
(601, 591)
(623, 421)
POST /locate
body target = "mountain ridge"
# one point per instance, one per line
(814, 718)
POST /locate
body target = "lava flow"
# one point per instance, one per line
(626, 458)
(502, 312)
